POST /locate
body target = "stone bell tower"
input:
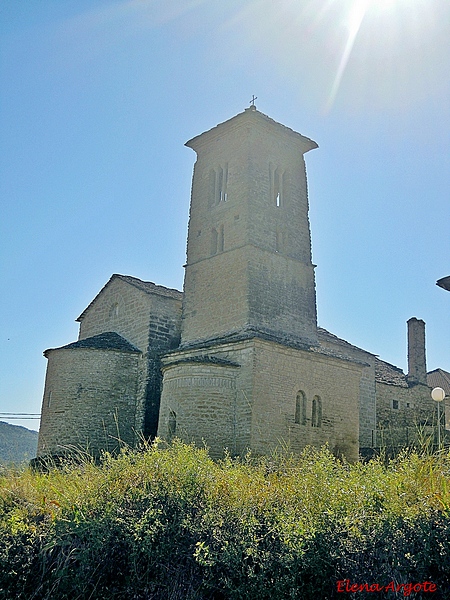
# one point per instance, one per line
(249, 372)
(249, 269)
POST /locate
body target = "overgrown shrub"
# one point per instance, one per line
(169, 523)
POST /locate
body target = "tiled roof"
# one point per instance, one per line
(439, 378)
(145, 286)
(389, 374)
(104, 341)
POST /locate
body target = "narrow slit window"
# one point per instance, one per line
(300, 409)
(172, 424)
(214, 241)
(316, 416)
(114, 310)
(223, 189)
(221, 240)
(218, 184)
(212, 187)
(279, 241)
(277, 185)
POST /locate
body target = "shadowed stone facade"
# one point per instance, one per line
(236, 361)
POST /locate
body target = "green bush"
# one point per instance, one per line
(169, 523)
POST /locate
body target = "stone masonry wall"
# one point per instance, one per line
(164, 335)
(207, 411)
(367, 405)
(406, 416)
(89, 400)
(122, 308)
(266, 386)
(199, 405)
(280, 374)
(282, 297)
(215, 301)
(150, 321)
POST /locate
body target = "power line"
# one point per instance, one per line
(27, 414)
(20, 416)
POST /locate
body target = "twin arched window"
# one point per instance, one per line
(301, 409)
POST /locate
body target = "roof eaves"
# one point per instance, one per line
(250, 112)
(109, 340)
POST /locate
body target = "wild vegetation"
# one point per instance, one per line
(169, 523)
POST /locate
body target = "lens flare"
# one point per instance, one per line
(384, 16)
(355, 19)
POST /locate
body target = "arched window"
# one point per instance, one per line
(277, 185)
(316, 417)
(300, 408)
(221, 240)
(214, 241)
(212, 187)
(279, 240)
(218, 183)
(114, 310)
(223, 183)
(217, 240)
(172, 424)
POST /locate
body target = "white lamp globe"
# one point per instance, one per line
(438, 394)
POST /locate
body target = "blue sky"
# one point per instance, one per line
(98, 97)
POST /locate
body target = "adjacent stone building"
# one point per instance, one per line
(237, 360)
(104, 389)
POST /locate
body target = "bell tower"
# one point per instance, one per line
(249, 271)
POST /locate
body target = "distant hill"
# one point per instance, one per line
(17, 444)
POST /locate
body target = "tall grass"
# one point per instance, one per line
(169, 523)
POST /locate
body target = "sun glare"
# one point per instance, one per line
(382, 4)
(370, 14)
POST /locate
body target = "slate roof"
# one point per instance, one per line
(439, 378)
(104, 341)
(208, 360)
(326, 335)
(389, 374)
(147, 287)
(384, 371)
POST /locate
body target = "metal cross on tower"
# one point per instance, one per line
(252, 101)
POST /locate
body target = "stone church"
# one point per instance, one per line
(237, 359)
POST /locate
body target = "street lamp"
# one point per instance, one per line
(444, 283)
(438, 394)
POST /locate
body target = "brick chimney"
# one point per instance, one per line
(417, 362)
